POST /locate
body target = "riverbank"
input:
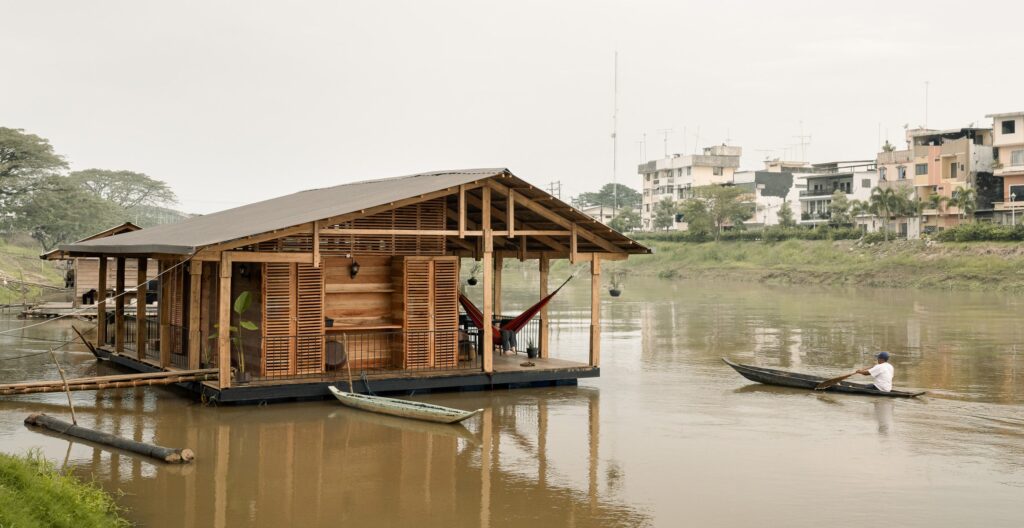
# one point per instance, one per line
(979, 266)
(33, 493)
(20, 263)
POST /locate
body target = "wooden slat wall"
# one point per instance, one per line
(429, 215)
(417, 314)
(445, 307)
(87, 273)
(365, 299)
(309, 320)
(278, 319)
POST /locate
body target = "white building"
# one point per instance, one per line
(600, 213)
(673, 177)
(855, 179)
(771, 189)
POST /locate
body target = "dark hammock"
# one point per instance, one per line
(512, 325)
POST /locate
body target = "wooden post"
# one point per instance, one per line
(498, 265)
(488, 286)
(595, 310)
(545, 266)
(316, 244)
(195, 294)
(510, 215)
(101, 303)
(140, 308)
(462, 211)
(224, 323)
(119, 307)
(164, 308)
(572, 246)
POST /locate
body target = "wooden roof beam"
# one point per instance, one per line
(546, 240)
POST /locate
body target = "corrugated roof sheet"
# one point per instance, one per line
(185, 237)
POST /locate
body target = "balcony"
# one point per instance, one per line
(821, 192)
(1008, 206)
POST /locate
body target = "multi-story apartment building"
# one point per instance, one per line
(855, 179)
(674, 177)
(1008, 151)
(940, 162)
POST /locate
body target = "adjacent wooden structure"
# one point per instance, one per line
(363, 276)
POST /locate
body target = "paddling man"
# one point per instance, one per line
(881, 373)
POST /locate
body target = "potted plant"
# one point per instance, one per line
(531, 349)
(241, 305)
(472, 274)
(616, 289)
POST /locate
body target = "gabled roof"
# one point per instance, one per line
(58, 254)
(190, 235)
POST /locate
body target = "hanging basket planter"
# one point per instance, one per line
(471, 281)
(614, 292)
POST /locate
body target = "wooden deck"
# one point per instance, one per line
(49, 310)
(509, 372)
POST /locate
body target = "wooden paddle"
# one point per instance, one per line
(830, 382)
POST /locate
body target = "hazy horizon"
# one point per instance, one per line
(234, 103)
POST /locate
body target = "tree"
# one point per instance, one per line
(786, 215)
(881, 204)
(888, 147)
(839, 209)
(720, 205)
(965, 200)
(627, 220)
(627, 197)
(24, 159)
(664, 214)
(126, 189)
(58, 211)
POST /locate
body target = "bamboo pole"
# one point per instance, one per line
(67, 391)
(119, 307)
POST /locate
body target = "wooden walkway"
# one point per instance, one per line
(49, 310)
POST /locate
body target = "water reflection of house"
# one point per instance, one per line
(361, 276)
(294, 467)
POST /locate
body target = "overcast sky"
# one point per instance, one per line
(232, 102)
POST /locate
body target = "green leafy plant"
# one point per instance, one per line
(241, 305)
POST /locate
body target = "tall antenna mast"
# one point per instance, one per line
(804, 141)
(615, 130)
(926, 104)
(664, 138)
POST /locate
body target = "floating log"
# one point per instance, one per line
(166, 454)
(113, 381)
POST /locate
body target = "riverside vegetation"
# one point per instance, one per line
(34, 493)
(969, 257)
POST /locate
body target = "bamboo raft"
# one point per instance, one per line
(113, 381)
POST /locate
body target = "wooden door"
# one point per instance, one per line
(430, 312)
(293, 321)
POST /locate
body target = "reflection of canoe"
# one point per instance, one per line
(807, 381)
(403, 408)
(415, 426)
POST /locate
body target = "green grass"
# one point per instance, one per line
(22, 262)
(907, 264)
(34, 494)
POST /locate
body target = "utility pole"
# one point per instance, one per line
(804, 141)
(926, 104)
(555, 189)
(615, 130)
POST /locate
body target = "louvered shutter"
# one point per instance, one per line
(309, 320)
(431, 312)
(417, 313)
(278, 319)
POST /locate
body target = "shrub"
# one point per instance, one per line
(770, 234)
(874, 238)
(977, 232)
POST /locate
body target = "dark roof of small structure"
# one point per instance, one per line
(188, 236)
(58, 254)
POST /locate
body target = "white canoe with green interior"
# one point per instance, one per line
(403, 408)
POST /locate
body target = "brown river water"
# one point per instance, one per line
(667, 436)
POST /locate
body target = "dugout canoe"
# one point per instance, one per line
(808, 381)
(403, 408)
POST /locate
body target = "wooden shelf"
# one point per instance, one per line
(360, 328)
(358, 288)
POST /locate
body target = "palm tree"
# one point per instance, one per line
(966, 201)
(883, 203)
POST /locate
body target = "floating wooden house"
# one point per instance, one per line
(362, 277)
(82, 273)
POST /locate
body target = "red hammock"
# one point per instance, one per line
(515, 324)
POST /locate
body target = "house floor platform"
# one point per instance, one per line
(509, 373)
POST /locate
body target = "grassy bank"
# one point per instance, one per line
(19, 261)
(32, 493)
(901, 264)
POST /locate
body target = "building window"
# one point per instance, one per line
(901, 172)
(647, 177)
(881, 174)
(717, 171)
(1009, 126)
(689, 171)
(865, 183)
(1017, 158)
(921, 169)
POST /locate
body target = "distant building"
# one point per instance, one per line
(769, 190)
(600, 213)
(855, 179)
(1008, 154)
(940, 162)
(674, 177)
